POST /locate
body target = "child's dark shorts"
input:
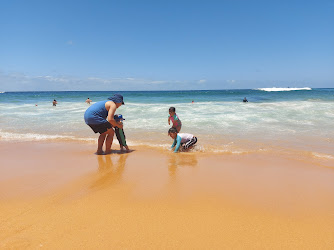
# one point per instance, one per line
(190, 143)
(100, 128)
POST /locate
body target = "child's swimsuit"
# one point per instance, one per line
(186, 140)
(120, 132)
(120, 136)
(176, 121)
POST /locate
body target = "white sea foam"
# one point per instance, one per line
(215, 123)
(323, 156)
(283, 89)
(215, 118)
(8, 136)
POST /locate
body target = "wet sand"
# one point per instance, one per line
(61, 195)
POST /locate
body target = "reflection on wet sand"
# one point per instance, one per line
(180, 160)
(109, 173)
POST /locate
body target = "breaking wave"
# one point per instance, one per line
(283, 89)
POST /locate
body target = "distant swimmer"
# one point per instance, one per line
(192, 101)
(245, 100)
(54, 103)
(88, 100)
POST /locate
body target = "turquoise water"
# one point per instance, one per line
(273, 119)
(167, 97)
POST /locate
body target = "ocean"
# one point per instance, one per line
(298, 120)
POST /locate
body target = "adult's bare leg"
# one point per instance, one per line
(100, 142)
(110, 137)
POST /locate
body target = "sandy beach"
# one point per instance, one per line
(248, 86)
(62, 195)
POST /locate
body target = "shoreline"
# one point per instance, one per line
(322, 157)
(62, 194)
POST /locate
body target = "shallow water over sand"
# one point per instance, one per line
(271, 121)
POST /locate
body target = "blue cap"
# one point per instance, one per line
(116, 98)
(118, 117)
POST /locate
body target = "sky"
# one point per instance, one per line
(110, 45)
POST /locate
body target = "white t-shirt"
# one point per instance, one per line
(185, 137)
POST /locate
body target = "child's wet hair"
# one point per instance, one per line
(171, 109)
(172, 131)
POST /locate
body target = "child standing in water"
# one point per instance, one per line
(186, 141)
(120, 133)
(175, 119)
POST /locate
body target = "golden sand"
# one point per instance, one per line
(62, 196)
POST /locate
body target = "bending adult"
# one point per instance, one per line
(100, 117)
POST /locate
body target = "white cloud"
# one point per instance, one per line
(52, 79)
(23, 82)
(158, 82)
(99, 80)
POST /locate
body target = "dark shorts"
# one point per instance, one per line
(190, 143)
(100, 128)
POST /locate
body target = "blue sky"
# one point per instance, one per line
(165, 45)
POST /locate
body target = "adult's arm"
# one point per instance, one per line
(111, 107)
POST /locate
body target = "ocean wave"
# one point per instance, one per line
(34, 137)
(282, 89)
(8, 136)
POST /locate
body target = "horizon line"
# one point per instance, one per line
(151, 90)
